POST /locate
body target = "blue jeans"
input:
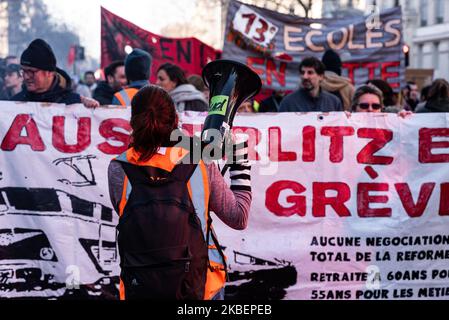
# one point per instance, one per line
(220, 295)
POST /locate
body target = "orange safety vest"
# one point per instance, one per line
(198, 187)
(125, 96)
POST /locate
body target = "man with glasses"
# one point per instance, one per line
(44, 82)
(310, 97)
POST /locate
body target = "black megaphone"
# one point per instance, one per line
(230, 83)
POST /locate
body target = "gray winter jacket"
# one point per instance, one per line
(187, 97)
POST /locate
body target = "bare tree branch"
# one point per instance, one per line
(306, 6)
(29, 19)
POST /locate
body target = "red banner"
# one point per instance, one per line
(188, 53)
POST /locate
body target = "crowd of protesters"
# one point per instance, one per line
(35, 77)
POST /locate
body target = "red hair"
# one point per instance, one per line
(153, 119)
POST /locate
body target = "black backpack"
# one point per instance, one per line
(163, 253)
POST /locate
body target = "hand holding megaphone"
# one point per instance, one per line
(230, 83)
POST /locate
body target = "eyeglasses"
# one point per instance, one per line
(365, 106)
(29, 72)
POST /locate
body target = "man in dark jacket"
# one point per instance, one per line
(310, 97)
(44, 82)
(115, 81)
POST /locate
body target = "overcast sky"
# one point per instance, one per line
(84, 16)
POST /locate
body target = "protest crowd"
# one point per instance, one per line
(35, 77)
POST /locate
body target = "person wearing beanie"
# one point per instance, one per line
(332, 61)
(333, 82)
(43, 81)
(138, 72)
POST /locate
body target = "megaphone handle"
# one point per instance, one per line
(228, 127)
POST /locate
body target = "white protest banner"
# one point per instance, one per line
(57, 235)
(343, 208)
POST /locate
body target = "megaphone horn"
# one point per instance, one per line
(230, 83)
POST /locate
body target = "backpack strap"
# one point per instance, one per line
(217, 244)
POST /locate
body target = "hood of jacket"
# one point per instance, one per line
(186, 92)
(104, 93)
(333, 82)
(105, 88)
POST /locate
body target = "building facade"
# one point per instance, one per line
(426, 32)
(430, 43)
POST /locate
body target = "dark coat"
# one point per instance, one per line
(270, 104)
(5, 94)
(434, 106)
(301, 101)
(104, 93)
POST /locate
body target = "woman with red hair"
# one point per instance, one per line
(167, 246)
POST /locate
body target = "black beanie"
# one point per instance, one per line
(138, 65)
(332, 61)
(39, 55)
